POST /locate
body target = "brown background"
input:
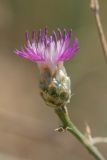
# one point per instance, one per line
(26, 123)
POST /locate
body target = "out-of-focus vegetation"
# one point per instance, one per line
(26, 123)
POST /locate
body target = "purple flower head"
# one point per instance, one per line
(49, 51)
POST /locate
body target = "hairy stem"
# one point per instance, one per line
(94, 5)
(68, 125)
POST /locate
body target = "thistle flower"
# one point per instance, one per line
(49, 52)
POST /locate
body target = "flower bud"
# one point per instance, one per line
(55, 89)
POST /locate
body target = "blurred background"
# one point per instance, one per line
(26, 123)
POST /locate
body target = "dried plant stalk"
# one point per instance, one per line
(94, 5)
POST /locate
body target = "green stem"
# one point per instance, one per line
(68, 125)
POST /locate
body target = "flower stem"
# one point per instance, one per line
(69, 126)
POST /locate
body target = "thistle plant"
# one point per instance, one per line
(50, 52)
